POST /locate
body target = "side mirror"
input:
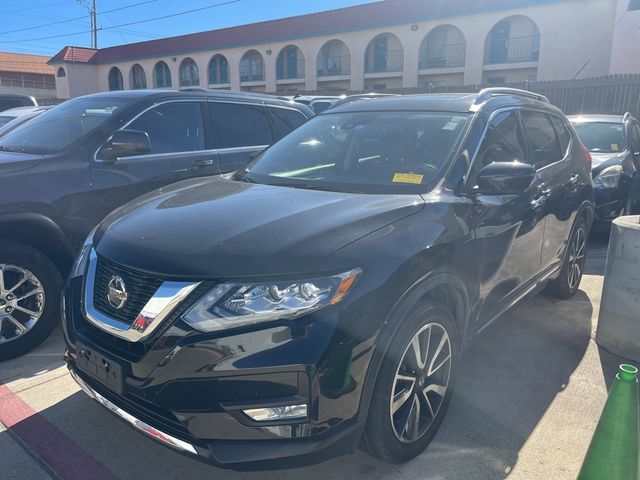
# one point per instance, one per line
(505, 178)
(126, 143)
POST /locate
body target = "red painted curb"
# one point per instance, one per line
(61, 454)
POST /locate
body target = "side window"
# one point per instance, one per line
(503, 141)
(635, 138)
(242, 126)
(564, 135)
(173, 127)
(544, 147)
(285, 121)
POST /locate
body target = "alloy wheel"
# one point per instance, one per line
(577, 250)
(421, 383)
(22, 302)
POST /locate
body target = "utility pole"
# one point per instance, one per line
(91, 6)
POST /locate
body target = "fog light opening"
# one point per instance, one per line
(288, 412)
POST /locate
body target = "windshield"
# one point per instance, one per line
(363, 152)
(601, 137)
(59, 127)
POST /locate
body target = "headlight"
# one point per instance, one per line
(231, 305)
(80, 265)
(609, 177)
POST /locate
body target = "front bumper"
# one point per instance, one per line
(608, 203)
(189, 390)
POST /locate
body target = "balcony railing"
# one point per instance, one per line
(444, 56)
(255, 74)
(334, 65)
(290, 70)
(45, 83)
(389, 61)
(513, 50)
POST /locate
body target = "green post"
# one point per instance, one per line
(613, 452)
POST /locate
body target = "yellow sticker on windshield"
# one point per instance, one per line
(614, 147)
(408, 178)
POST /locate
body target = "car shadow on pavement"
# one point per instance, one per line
(507, 379)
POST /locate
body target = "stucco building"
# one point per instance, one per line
(388, 44)
(27, 74)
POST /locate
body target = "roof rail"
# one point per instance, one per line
(486, 93)
(626, 116)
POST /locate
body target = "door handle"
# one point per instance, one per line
(203, 163)
(538, 202)
(574, 180)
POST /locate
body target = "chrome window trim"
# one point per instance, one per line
(168, 296)
(153, 432)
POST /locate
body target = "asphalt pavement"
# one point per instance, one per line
(529, 394)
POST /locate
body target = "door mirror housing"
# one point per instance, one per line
(125, 143)
(505, 178)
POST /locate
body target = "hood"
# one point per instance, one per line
(14, 162)
(600, 161)
(215, 228)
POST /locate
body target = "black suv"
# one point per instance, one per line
(65, 170)
(14, 100)
(323, 294)
(614, 144)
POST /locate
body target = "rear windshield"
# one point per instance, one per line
(601, 137)
(59, 127)
(369, 152)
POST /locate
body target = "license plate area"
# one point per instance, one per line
(100, 367)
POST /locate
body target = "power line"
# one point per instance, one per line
(35, 7)
(75, 18)
(125, 24)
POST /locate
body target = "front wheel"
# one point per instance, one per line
(29, 298)
(566, 285)
(414, 385)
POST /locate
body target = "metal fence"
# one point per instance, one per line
(389, 61)
(443, 56)
(333, 65)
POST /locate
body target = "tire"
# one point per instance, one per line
(568, 282)
(15, 260)
(386, 435)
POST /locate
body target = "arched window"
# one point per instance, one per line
(115, 79)
(252, 67)
(384, 54)
(334, 59)
(290, 63)
(218, 70)
(513, 39)
(189, 73)
(138, 78)
(444, 47)
(61, 73)
(161, 75)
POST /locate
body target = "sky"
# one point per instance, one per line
(43, 27)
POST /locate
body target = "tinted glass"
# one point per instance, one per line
(5, 119)
(564, 135)
(320, 107)
(285, 120)
(173, 127)
(544, 147)
(635, 138)
(503, 141)
(601, 137)
(242, 126)
(59, 127)
(6, 104)
(364, 152)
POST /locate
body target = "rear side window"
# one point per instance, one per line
(544, 146)
(6, 104)
(172, 127)
(564, 135)
(242, 126)
(285, 121)
(635, 138)
(503, 141)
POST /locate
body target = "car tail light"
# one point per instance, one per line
(587, 155)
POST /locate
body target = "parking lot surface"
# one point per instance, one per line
(528, 397)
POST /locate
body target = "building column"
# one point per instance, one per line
(310, 69)
(233, 62)
(356, 50)
(270, 71)
(474, 60)
(410, 47)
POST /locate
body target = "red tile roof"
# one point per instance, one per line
(74, 55)
(357, 17)
(21, 63)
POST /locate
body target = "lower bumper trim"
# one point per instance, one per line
(158, 435)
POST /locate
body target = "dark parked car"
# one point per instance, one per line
(14, 100)
(614, 143)
(65, 170)
(323, 294)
